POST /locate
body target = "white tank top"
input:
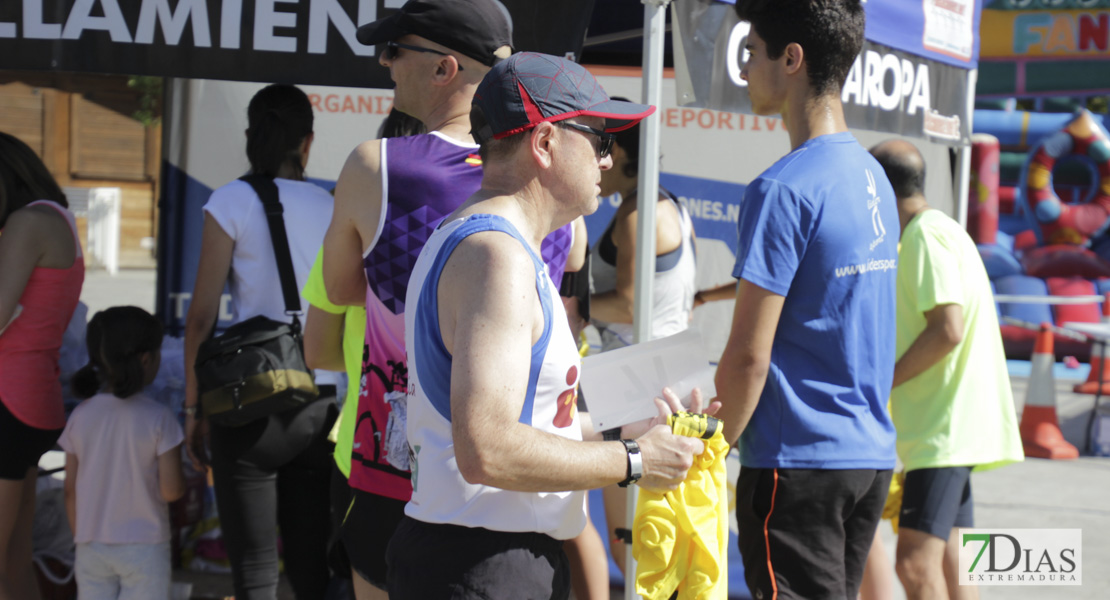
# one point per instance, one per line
(672, 290)
(439, 492)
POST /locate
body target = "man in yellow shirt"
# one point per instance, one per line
(951, 404)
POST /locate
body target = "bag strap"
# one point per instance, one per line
(267, 191)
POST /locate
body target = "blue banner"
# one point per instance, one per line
(942, 30)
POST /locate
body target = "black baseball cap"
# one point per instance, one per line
(529, 88)
(474, 28)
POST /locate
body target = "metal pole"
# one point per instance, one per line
(647, 196)
(963, 175)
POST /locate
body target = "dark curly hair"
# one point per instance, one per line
(830, 33)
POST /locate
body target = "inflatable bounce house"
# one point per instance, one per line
(1039, 210)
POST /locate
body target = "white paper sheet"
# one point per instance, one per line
(619, 385)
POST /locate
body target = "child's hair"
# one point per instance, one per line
(117, 338)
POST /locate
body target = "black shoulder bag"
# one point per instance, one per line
(256, 368)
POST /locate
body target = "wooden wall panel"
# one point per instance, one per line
(105, 142)
(21, 114)
(82, 128)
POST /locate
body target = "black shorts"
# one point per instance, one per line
(440, 562)
(805, 533)
(935, 501)
(368, 524)
(21, 446)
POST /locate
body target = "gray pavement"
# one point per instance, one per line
(134, 287)
(1033, 494)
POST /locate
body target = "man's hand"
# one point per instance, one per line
(667, 457)
(669, 404)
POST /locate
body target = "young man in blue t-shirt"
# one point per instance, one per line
(805, 376)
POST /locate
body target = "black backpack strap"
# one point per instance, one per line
(268, 192)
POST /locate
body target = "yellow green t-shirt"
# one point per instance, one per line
(354, 336)
(960, 411)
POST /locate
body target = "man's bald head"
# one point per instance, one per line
(904, 166)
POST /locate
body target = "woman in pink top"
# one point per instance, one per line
(41, 272)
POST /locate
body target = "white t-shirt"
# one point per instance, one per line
(255, 284)
(117, 443)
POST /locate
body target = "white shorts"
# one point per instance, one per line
(123, 571)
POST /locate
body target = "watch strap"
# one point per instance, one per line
(635, 463)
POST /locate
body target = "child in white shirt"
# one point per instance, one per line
(123, 462)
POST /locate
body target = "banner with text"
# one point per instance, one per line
(887, 89)
(284, 41)
(941, 30)
(1044, 33)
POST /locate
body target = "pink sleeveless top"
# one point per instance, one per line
(29, 384)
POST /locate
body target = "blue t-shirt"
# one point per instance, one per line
(820, 228)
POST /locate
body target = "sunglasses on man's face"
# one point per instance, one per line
(604, 139)
(392, 49)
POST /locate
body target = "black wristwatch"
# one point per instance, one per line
(635, 463)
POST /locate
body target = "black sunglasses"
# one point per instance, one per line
(393, 48)
(604, 139)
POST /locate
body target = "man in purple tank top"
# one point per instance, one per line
(390, 195)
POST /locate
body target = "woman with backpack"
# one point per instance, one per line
(272, 471)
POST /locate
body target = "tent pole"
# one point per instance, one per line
(963, 164)
(647, 195)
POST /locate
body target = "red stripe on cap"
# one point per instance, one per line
(530, 108)
(551, 119)
(633, 119)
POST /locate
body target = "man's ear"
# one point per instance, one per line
(445, 69)
(794, 57)
(543, 144)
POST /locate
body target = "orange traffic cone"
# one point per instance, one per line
(1100, 367)
(1040, 429)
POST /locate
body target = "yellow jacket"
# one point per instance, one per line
(680, 539)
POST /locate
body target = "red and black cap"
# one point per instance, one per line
(474, 28)
(529, 88)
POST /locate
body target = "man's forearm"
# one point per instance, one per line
(944, 330)
(927, 350)
(739, 385)
(611, 307)
(524, 459)
(742, 371)
(323, 340)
